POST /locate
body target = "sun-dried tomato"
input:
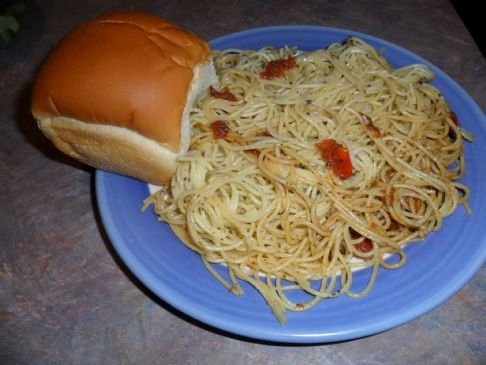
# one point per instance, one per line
(364, 246)
(220, 129)
(224, 94)
(277, 68)
(336, 157)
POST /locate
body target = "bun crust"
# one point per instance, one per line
(125, 70)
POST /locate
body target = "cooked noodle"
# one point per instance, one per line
(263, 201)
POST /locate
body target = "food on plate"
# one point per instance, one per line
(116, 93)
(292, 168)
(306, 166)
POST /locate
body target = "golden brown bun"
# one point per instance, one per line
(130, 72)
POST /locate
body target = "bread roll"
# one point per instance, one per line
(117, 91)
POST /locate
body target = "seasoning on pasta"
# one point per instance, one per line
(329, 165)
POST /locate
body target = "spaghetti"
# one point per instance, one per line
(266, 199)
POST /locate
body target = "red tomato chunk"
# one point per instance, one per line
(364, 246)
(220, 129)
(336, 157)
(224, 94)
(277, 68)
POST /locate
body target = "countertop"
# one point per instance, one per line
(66, 297)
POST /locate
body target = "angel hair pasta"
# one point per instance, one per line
(305, 166)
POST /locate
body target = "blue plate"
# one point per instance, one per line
(435, 270)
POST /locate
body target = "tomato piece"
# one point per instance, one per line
(336, 157)
(341, 163)
(375, 131)
(220, 129)
(224, 94)
(364, 246)
(277, 68)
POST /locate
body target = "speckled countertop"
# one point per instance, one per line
(66, 297)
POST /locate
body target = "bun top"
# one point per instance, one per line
(126, 69)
